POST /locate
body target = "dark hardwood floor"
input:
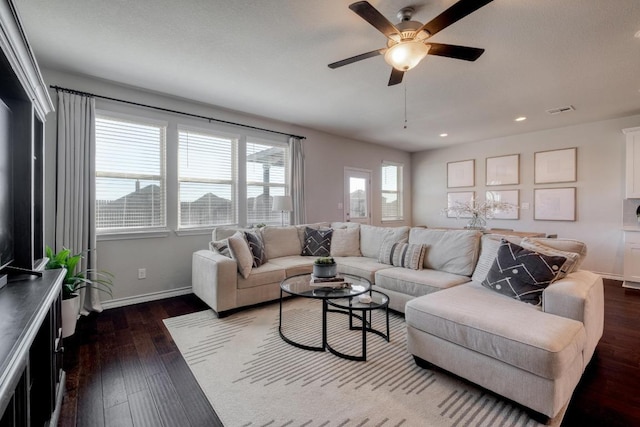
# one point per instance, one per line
(123, 369)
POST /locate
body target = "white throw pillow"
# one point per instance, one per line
(241, 253)
(345, 242)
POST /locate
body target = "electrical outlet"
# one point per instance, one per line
(142, 273)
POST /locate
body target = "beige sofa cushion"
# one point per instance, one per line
(294, 264)
(416, 282)
(489, 244)
(372, 238)
(345, 242)
(499, 327)
(263, 275)
(452, 251)
(360, 266)
(281, 241)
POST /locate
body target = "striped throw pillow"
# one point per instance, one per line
(407, 255)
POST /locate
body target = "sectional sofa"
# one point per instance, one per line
(460, 310)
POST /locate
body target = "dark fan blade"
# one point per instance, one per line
(453, 15)
(396, 77)
(375, 18)
(357, 58)
(453, 51)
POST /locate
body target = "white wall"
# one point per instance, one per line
(600, 185)
(168, 259)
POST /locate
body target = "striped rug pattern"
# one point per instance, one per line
(253, 378)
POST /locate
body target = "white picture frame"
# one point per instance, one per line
(502, 170)
(554, 204)
(508, 196)
(555, 166)
(461, 173)
(455, 197)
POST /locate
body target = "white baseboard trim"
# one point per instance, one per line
(610, 276)
(121, 302)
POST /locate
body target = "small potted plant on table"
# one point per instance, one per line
(74, 281)
(325, 267)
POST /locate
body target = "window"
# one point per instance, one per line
(130, 175)
(392, 199)
(267, 174)
(207, 179)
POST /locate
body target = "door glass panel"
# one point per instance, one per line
(358, 198)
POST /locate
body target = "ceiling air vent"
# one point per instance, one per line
(559, 110)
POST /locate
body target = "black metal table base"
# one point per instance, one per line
(366, 326)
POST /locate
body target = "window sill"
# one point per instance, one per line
(131, 235)
(194, 231)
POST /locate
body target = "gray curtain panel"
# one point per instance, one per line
(297, 180)
(75, 186)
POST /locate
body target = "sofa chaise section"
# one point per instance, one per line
(534, 356)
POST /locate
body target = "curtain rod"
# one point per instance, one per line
(167, 110)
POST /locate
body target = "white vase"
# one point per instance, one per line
(70, 310)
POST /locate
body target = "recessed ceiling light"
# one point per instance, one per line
(444, 135)
(520, 119)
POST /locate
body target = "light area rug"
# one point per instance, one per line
(253, 378)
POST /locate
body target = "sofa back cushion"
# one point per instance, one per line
(281, 241)
(372, 238)
(224, 232)
(452, 251)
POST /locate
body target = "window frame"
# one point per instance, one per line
(287, 176)
(116, 233)
(399, 191)
(234, 182)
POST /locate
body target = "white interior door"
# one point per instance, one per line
(357, 195)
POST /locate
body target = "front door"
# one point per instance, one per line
(357, 195)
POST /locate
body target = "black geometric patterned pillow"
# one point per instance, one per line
(317, 242)
(522, 274)
(256, 246)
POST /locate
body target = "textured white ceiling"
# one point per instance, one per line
(269, 58)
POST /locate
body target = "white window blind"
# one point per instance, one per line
(130, 175)
(267, 176)
(207, 179)
(392, 200)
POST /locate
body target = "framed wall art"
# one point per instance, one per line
(455, 200)
(503, 170)
(507, 196)
(555, 166)
(554, 204)
(461, 174)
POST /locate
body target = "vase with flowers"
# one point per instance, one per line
(478, 211)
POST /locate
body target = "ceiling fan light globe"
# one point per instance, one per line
(406, 55)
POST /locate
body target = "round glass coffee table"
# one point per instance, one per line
(351, 306)
(300, 285)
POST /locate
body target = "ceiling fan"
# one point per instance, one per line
(407, 41)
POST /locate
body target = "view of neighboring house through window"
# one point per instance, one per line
(392, 192)
(207, 179)
(267, 176)
(130, 174)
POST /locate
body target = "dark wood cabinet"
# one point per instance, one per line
(31, 375)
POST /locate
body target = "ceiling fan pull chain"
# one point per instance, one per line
(405, 104)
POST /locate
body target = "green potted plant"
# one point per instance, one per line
(325, 266)
(75, 280)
